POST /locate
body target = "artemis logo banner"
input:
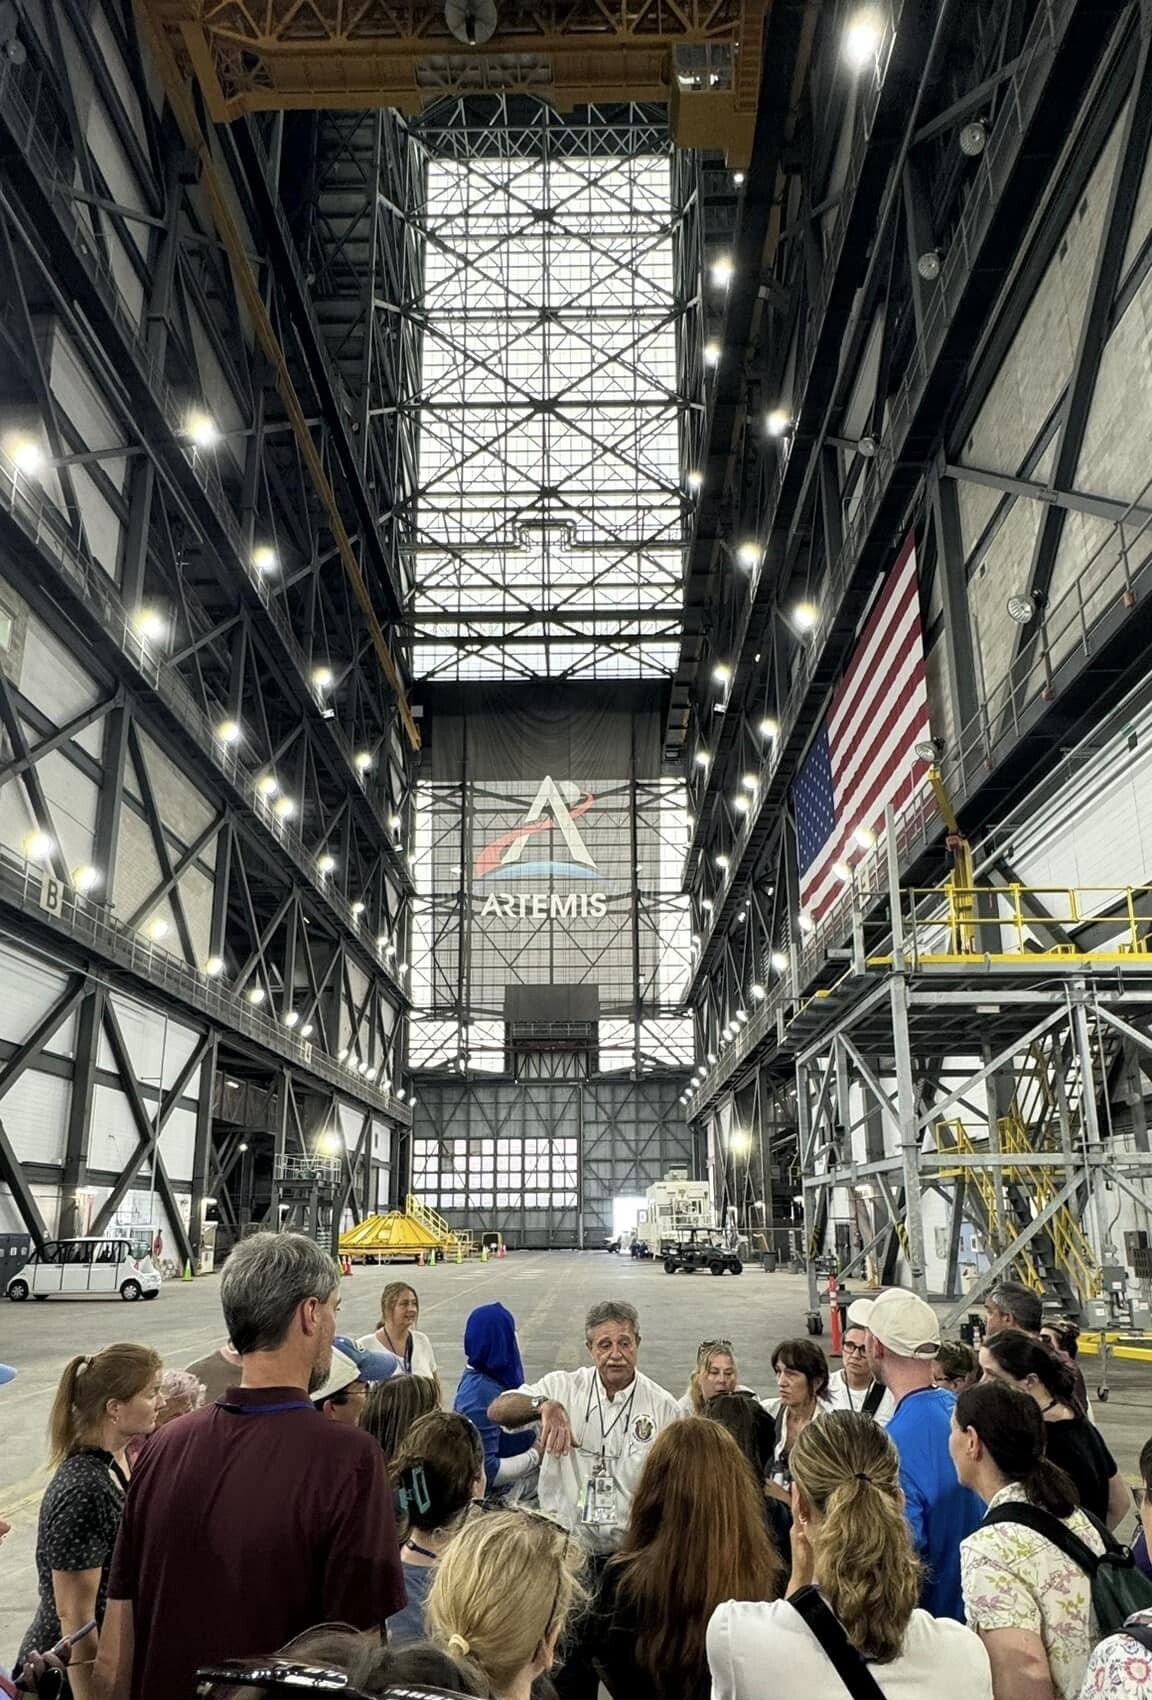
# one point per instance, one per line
(548, 848)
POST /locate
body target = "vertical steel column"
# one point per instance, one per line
(908, 1111)
(804, 1135)
(1089, 1120)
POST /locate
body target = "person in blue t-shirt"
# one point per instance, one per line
(903, 1340)
(495, 1367)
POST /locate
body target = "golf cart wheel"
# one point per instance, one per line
(669, 1266)
(736, 1267)
(716, 1268)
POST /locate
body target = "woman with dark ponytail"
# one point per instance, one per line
(852, 1554)
(1018, 1360)
(102, 1404)
(1028, 1600)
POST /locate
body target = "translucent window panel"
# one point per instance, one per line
(551, 408)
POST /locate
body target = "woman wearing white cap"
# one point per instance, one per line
(854, 1387)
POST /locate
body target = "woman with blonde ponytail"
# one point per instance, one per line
(503, 1595)
(855, 1582)
(104, 1402)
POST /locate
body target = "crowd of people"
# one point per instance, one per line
(927, 1519)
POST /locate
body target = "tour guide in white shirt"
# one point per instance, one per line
(596, 1426)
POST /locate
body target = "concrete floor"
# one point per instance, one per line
(547, 1292)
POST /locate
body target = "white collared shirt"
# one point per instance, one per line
(845, 1398)
(618, 1430)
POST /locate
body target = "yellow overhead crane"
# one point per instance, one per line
(700, 56)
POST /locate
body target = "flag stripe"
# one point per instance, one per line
(863, 758)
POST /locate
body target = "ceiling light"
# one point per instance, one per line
(712, 1056)
(325, 864)
(750, 781)
(974, 138)
(255, 995)
(267, 785)
(228, 731)
(214, 967)
(292, 1018)
(389, 950)
(243, 1145)
(395, 823)
(85, 877)
(864, 837)
(862, 39)
(403, 968)
(866, 447)
(741, 1016)
(694, 480)
(742, 916)
(758, 992)
(778, 422)
(382, 941)
(721, 861)
(807, 924)
(322, 678)
(722, 271)
(362, 1068)
(358, 907)
(156, 929)
(768, 728)
(929, 264)
(748, 555)
(722, 673)
(25, 454)
(696, 939)
(738, 179)
(702, 758)
(711, 354)
(362, 760)
(38, 846)
(202, 429)
(842, 870)
(741, 804)
(307, 1030)
(778, 961)
(150, 624)
(265, 558)
(707, 905)
(342, 1054)
(399, 1094)
(805, 616)
(284, 807)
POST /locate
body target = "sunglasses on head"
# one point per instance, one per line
(706, 1346)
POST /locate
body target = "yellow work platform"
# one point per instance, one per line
(414, 1231)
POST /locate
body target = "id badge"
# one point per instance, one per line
(599, 1505)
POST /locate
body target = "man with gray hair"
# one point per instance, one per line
(596, 1426)
(253, 1518)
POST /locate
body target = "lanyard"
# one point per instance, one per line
(864, 1400)
(622, 1414)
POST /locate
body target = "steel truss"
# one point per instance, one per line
(560, 393)
(272, 921)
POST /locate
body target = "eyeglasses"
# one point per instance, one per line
(851, 1350)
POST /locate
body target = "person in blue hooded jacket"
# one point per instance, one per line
(495, 1367)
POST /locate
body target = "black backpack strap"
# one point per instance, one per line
(1141, 1632)
(1052, 1529)
(829, 1631)
(874, 1398)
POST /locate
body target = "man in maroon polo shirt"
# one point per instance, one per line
(252, 1519)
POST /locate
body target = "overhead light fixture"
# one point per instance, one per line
(778, 961)
(738, 179)
(722, 271)
(742, 1016)
(399, 1094)
(722, 673)
(864, 837)
(342, 1054)
(758, 992)
(25, 453)
(265, 558)
(267, 785)
(768, 728)
(202, 429)
(842, 870)
(748, 554)
(214, 967)
(707, 905)
(228, 731)
(403, 968)
(929, 750)
(284, 808)
(150, 624)
(255, 995)
(778, 422)
(157, 929)
(85, 878)
(694, 479)
(362, 760)
(389, 950)
(292, 1018)
(697, 940)
(702, 758)
(862, 38)
(395, 823)
(805, 616)
(322, 678)
(358, 907)
(807, 924)
(721, 861)
(38, 846)
(711, 354)
(382, 941)
(1024, 609)
(974, 138)
(750, 781)
(929, 264)
(866, 447)
(712, 1057)
(307, 1030)
(325, 864)
(741, 804)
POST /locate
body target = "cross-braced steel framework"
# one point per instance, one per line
(560, 373)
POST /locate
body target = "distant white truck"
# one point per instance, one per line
(676, 1208)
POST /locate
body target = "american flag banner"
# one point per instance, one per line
(863, 757)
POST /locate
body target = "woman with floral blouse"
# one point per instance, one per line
(1121, 1667)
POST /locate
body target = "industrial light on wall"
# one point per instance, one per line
(722, 271)
(778, 961)
(150, 624)
(362, 761)
(862, 38)
(214, 967)
(805, 616)
(38, 846)
(25, 453)
(807, 924)
(291, 1018)
(702, 758)
(284, 808)
(156, 929)
(323, 678)
(866, 447)
(267, 785)
(721, 861)
(712, 1057)
(228, 731)
(711, 354)
(758, 992)
(930, 750)
(748, 554)
(929, 264)
(741, 804)
(842, 870)
(202, 429)
(85, 877)
(1024, 609)
(778, 422)
(750, 781)
(739, 1142)
(307, 1030)
(864, 837)
(325, 864)
(358, 907)
(974, 138)
(255, 996)
(264, 558)
(722, 673)
(768, 727)
(694, 479)
(738, 179)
